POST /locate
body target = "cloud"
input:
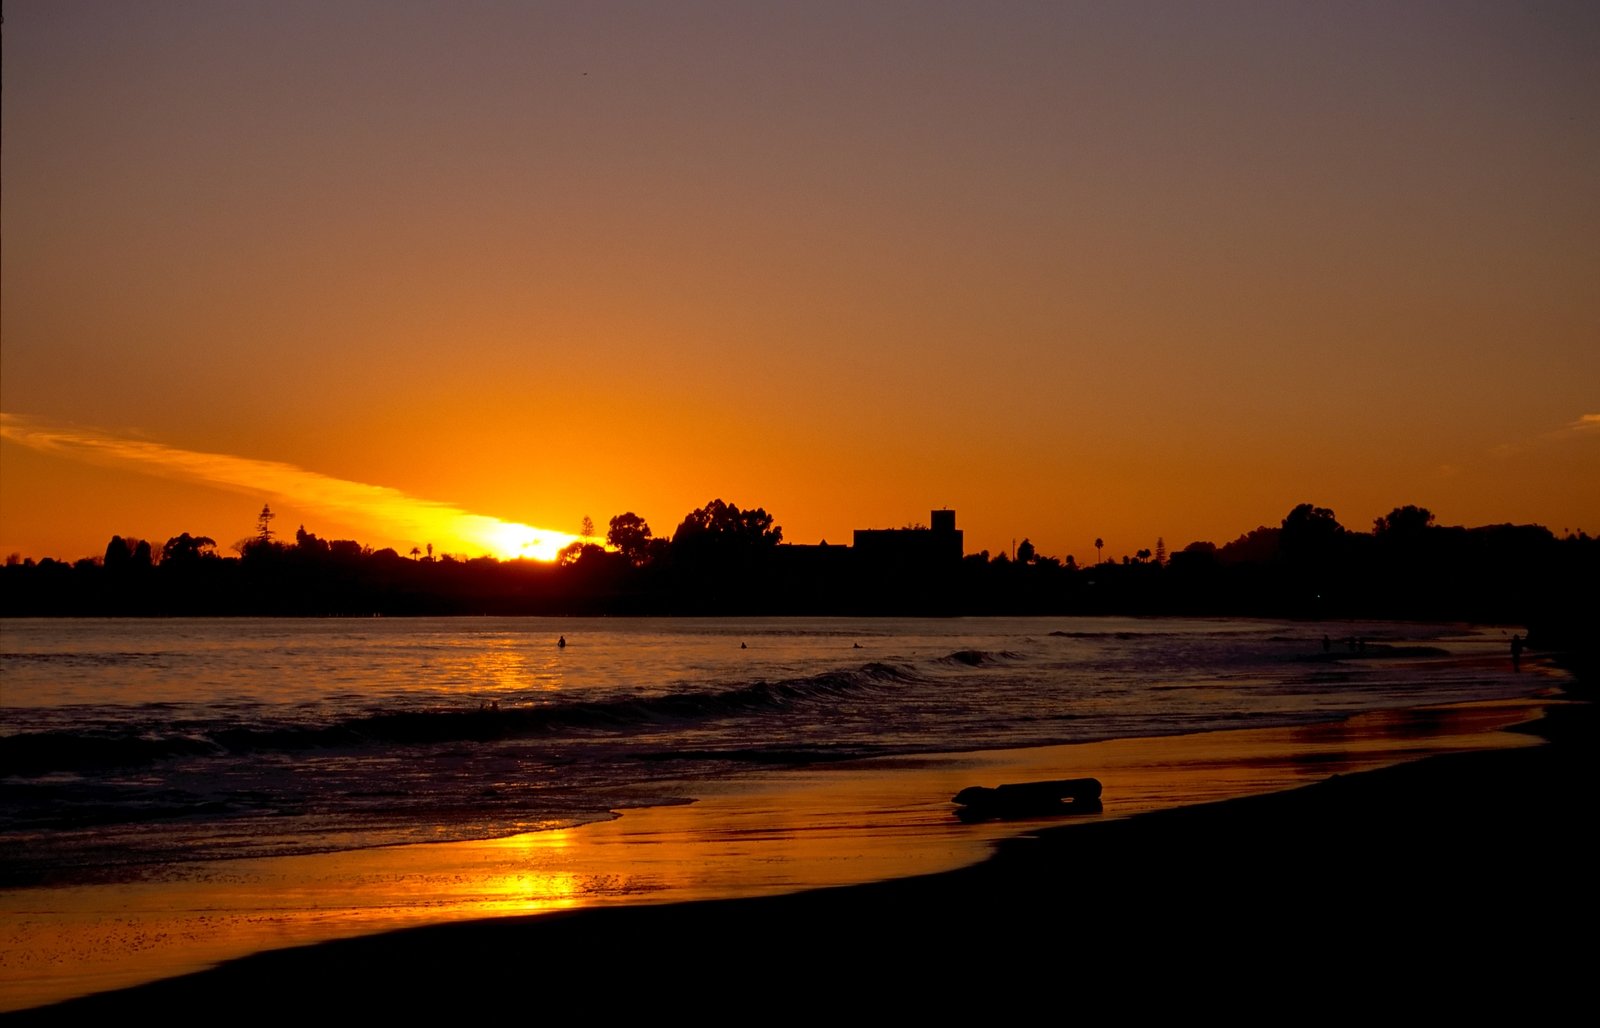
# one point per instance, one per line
(385, 511)
(1582, 425)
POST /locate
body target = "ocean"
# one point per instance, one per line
(129, 747)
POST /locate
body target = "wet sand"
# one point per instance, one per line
(1447, 850)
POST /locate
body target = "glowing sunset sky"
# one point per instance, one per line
(1074, 269)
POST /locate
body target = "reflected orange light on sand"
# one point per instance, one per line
(529, 885)
(388, 512)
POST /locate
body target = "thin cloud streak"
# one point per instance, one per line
(1582, 425)
(381, 509)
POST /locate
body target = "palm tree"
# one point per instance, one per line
(1097, 544)
(416, 552)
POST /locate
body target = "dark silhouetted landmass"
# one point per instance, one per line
(722, 560)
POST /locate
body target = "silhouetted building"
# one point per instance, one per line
(909, 570)
(939, 544)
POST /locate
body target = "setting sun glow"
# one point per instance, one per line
(508, 540)
(389, 516)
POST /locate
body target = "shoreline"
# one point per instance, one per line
(1116, 871)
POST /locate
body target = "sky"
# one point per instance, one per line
(468, 272)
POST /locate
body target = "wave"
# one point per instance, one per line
(1100, 635)
(792, 755)
(46, 752)
(97, 659)
(979, 658)
(1370, 651)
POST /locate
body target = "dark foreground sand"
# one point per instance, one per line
(1462, 883)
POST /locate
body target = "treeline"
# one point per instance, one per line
(722, 560)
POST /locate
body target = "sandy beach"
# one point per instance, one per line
(1444, 865)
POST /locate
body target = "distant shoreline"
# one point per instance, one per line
(724, 562)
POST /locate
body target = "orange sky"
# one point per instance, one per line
(1076, 270)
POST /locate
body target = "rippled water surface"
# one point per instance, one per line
(129, 744)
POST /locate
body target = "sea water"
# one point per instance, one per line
(128, 746)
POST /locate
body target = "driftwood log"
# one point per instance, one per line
(1030, 799)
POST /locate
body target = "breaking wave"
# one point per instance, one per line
(148, 741)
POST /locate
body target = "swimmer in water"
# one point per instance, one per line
(561, 643)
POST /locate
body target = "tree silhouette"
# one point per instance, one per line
(1312, 550)
(1310, 531)
(264, 524)
(579, 553)
(1406, 523)
(586, 527)
(630, 534)
(718, 538)
(1098, 543)
(118, 553)
(725, 523)
(186, 549)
